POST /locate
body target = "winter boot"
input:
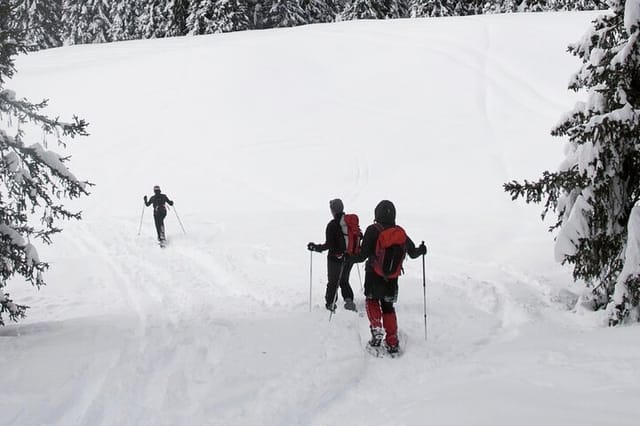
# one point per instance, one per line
(377, 334)
(392, 349)
(349, 305)
(330, 307)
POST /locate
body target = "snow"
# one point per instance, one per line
(9, 95)
(251, 134)
(54, 162)
(576, 227)
(632, 256)
(12, 235)
(632, 15)
(32, 254)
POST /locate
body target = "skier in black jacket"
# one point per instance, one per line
(337, 269)
(158, 199)
(380, 292)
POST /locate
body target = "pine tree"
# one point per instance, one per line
(396, 9)
(576, 5)
(229, 15)
(41, 21)
(493, 6)
(533, 6)
(198, 20)
(366, 9)
(625, 63)
(151, 18)
(76, 20)
(320, 11)
(510, 6)
(403, 8)
(176, 13)
(284, 13)
(256, 15)
(470, 7)
(598, 184)
(33, 179)
(427, 8)
(124, 20)
(86, 21)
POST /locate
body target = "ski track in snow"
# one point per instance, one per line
(176, 346)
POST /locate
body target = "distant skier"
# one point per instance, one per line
(384, 245)
(337, 242)
(158, 199)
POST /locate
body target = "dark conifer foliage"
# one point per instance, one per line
(596, 191)
(34, 181)
(86, 21)
(56, 22)
(41, 22)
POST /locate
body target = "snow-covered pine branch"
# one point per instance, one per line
(598, 183)
(34, 181)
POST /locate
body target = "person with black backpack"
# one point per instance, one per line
(342, 237)
(384, 246)
(158, 199)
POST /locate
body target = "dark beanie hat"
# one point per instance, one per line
(336, 206)
(385, 213)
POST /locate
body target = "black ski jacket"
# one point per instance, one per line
(158, 200)
(335, 241)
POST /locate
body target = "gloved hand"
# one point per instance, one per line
(314, 247)
(422, 249)
(145, 199)
(171, 203)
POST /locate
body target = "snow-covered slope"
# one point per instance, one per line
(251, 134)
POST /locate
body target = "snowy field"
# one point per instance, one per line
(251, 134)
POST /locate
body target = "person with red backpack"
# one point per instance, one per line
(385, 245)
(342, 238)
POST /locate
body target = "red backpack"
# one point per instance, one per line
(391, 250)
(352, 234)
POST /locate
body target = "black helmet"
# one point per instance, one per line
(336, 206)
(385, 213)
(156, 188)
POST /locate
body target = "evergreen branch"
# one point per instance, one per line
(548, 189)
(28, 112)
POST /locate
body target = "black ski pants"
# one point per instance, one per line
(336, 268)
(158, 216)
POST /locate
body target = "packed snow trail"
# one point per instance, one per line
(251, 134)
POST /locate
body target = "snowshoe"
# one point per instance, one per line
(393, 351)
(331, 307)
(349, 305)
(376, 337)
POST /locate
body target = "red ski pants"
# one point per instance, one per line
(383, 315)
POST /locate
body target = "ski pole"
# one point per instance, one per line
(141, 216)
(310, 278)
(424, 293)
(359, 277)
(335, 297)
(179, 221)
